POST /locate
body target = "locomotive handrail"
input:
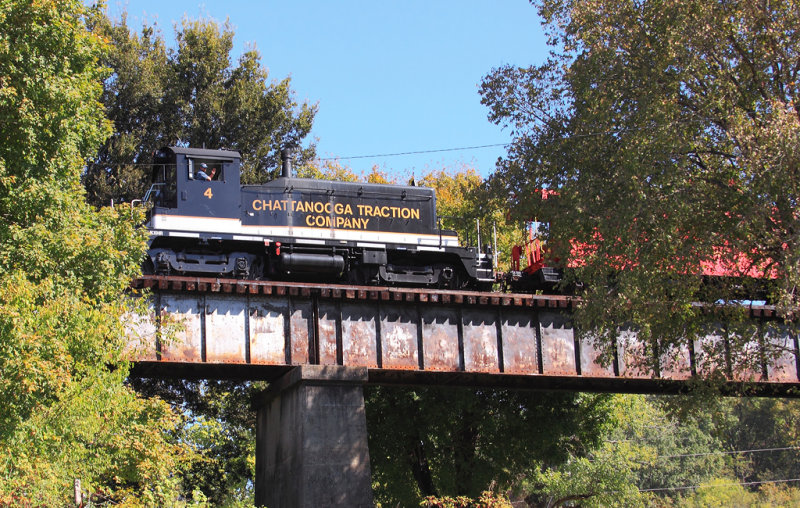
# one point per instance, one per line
(152, 190)
(454, 218)
(466, 226)
(133, 203)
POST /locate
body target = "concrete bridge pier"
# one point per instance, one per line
(311, 440)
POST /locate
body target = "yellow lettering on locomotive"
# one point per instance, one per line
(326, 214)
(342, 209)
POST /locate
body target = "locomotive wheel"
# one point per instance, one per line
(448, 277)
(242, 270)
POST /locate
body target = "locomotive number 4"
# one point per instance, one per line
(208, 194)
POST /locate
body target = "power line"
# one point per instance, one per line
(715, 486)
(723, 452)
(734, 452)
(494, 145)
(705, 454)
(321, 159)
(743, 484)
(438, 150)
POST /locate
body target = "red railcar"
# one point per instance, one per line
(534, 269)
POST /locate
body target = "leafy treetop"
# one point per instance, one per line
(670, 131)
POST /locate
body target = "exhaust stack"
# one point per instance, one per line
(286, 162)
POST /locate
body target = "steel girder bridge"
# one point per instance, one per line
(318, 345)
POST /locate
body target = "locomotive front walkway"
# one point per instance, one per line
(318, 345)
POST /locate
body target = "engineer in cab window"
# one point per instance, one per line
(202, 175)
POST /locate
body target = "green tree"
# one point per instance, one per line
(670, 131)
(327, 170)
(220, 428)
(643, 447)
(65, 413)
(719, 493)
(193, 95)
(141, 104)
(460, 441)
(463, 202)
(771, 426)
(693, 450)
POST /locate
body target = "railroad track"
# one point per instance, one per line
(174, 283)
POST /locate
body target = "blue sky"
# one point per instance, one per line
(389, 77)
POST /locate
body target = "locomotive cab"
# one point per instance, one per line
(178, 189)
(191, 215)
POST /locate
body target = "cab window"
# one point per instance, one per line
(163, 189)
(205, 170)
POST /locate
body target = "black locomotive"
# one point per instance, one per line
(204, 222)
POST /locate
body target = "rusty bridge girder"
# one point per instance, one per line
(214, 328)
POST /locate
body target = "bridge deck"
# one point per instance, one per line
(201, 327)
